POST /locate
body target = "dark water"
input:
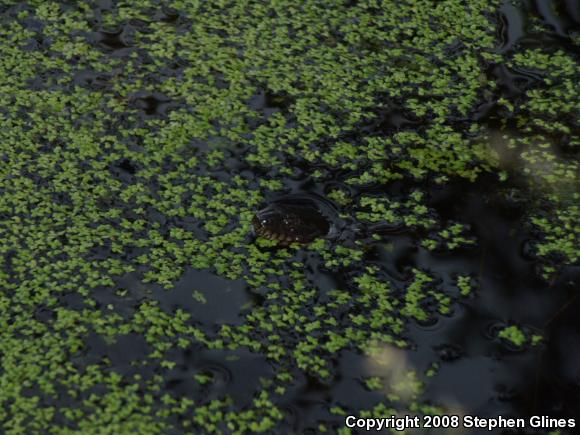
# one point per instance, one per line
(479, 372)
(561, 16)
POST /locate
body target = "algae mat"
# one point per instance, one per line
(138, 139)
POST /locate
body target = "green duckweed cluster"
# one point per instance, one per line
(96, 186)
(547, 131)
(516, 337)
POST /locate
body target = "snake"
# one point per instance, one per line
(303, 218)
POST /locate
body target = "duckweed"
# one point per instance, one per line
(137, 141)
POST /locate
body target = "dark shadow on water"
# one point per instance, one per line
(209, 299)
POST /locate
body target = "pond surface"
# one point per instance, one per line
(422, 155)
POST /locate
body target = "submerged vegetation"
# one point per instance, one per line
(137, 142)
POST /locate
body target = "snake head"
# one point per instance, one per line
(291, 219)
